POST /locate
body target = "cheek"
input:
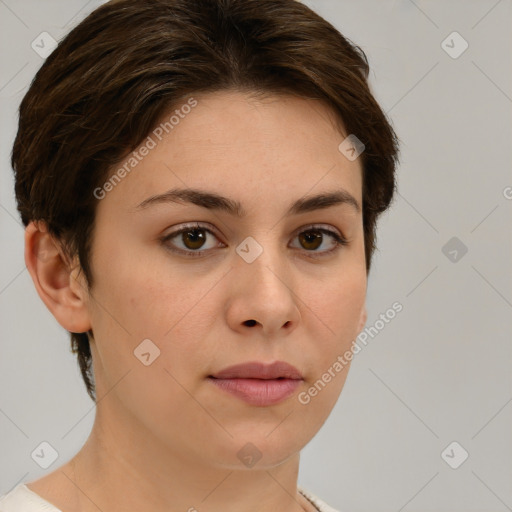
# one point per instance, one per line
(338, 305)
(147, 341)
(333, 330)
(140, 295)
(165, 307)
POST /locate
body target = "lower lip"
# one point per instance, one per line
(259, 391)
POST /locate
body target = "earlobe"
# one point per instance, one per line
(52, 276)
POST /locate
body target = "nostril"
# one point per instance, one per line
(250, 323)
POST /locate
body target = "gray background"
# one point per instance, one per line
(440, 371)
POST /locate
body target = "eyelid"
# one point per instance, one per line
(204, 225)
(313, 227)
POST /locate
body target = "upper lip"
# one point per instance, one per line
(258, 370)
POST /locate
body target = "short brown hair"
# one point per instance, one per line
(104, 87)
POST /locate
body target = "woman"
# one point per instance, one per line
(200, 182)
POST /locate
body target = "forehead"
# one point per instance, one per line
(230, 118)
(241, 145)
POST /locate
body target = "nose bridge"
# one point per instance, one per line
(265, 263)
(263, 280)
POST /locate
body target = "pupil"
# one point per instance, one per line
(312, 237)
(197, 237)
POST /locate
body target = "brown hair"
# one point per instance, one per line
(109, 81)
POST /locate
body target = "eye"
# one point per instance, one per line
(193, 239)
(313, 237)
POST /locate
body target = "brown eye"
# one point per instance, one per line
(314, 237)
(193, 238)
(193, 241)
(311, 240)
(190, 240)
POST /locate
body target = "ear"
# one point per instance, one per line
(55, 280)
(362, 319)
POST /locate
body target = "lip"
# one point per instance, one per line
(257, 370)
(258, 383)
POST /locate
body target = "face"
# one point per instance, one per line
(169, 310)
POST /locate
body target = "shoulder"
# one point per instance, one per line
(315, 500)
(22, 499)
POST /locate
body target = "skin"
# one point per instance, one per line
(164, 437)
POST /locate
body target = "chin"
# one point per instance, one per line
(263, 449)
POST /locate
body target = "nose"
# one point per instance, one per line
(262, 293)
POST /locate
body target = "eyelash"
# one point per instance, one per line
(340, 240)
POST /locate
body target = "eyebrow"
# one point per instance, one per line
(213, 201)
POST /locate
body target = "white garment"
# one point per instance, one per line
(23, 499)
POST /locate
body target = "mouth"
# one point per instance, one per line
(258, 383)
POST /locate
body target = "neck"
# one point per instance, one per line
(127, 468)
